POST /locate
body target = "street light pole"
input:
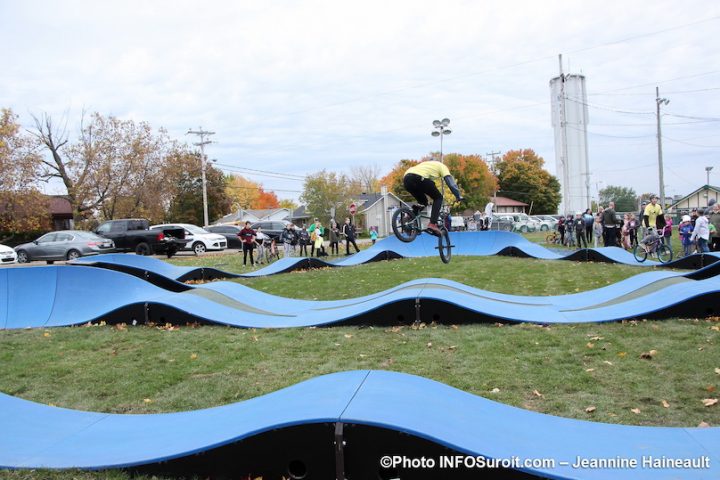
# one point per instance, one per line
(441, 130)
(203, 164)
(660, 101)
(707, 173)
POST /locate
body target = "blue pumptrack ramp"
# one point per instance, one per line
(466, 243)
(48, 296)
(371, 413)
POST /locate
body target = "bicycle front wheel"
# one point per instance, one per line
(403, 224)
(664, 254)
(640, 253)
(444, 247)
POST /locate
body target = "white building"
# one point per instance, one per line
(570, 119)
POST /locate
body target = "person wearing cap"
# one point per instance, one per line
(685, 230)
(653, 215)
(419, 181)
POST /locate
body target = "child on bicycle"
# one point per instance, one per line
(419, 182)
(650, 240)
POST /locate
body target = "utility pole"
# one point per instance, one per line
(203, 163)
(563, 142)
(492, 169)
(660, 101)
(492, 162)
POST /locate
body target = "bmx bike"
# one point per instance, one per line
(407, 225)
(663, 252)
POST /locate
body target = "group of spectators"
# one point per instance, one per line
(294, 238)
(698, 231)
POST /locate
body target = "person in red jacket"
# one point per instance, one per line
(247, 236)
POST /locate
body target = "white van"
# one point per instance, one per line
(457, 223)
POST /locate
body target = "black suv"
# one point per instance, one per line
(271, 229)
(231, 232)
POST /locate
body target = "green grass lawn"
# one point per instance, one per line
(559, 370)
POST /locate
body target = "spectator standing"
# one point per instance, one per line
(610, 223)
(625, 232)
(633, 230)
(597, 230)
(477, 218)
(580, 230)
(287, 236)
(318, 237)
(303, 240)
(667, 231)
(570, 230)
(260, 238)
(334, 236)
(348, 230)
(589, 222)
(701, 232)
(640, 228)
(561, 229)
(311, 229)
(715, 220)
(247, 235)
(685, 230)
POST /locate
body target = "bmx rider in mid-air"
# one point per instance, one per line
(419, 182)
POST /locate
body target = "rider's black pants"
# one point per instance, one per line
(421, 188)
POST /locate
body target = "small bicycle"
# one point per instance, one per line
(655, 245)
(406, 225)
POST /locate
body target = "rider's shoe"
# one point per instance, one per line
(417, 209)
(433, 228)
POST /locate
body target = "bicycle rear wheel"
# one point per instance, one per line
(403, 224)
(664, 254)
(640, 253)
(444, 246)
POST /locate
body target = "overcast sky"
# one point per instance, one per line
(293, 87)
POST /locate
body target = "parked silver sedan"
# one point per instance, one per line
(63, 245)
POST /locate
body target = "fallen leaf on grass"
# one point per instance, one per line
(648, 355)
(193, 356)
(590, 409)
(46, 334)
(709, 402)
(495, 390)
(148, 400)
(621, 354)
(710, 388)
(537, 394)
(703, 425)
(589, 369)
(717, 370)
(429, 344)
(590, 345)
(348, 335)
(387, 363)
(635, 411)
(608, 362)
(454, 327)
(665, 404)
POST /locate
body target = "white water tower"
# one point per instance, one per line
(570, 120)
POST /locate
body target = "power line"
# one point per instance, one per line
(691, 144)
